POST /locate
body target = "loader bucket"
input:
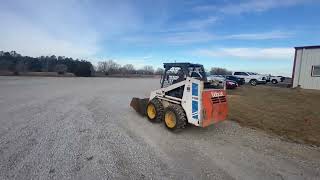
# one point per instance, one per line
(140, 105)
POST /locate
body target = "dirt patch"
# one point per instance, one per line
(291, 113)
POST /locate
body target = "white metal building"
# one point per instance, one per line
(306, 67)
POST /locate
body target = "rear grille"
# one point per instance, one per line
(220, 99)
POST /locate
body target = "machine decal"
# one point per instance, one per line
(217, 94)
(194, 109)
(194, 89)
(195, 101)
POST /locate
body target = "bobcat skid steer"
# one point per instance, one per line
(185, 97)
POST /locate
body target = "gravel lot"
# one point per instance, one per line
(83, 128)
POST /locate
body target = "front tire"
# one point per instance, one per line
(155, 110)
(274, 81)
(253, 82)
(175, 117)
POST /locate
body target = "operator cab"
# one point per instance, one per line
(177, 72)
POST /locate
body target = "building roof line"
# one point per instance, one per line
(308, 47)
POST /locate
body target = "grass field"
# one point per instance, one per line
(291, 113)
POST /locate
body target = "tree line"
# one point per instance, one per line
(111, 67)
(219, 71)
(14, 62)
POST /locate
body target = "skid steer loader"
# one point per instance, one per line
(185, 97)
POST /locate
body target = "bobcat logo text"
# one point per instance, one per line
(216, 94)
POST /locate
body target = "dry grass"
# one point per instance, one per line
(291, 113)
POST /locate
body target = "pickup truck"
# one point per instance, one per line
(219, 78)
(276, 79)
(251, 78)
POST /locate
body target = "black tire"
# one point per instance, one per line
(274, 81)
(159, 110)
(253, 82)
(180, 117)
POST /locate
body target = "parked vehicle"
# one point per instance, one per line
(282, 78)
(250, 77)
(231, 84)
(240, 81)
(276, 79)
(219, 78)
(267, 77)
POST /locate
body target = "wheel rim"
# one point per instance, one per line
(151, 111)
(170, 119)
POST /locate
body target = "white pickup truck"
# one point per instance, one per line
(219, 78)
(275, 79)
(252, 78)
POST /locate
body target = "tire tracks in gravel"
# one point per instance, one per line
(121, 152)
(181, 159)
(34, 136)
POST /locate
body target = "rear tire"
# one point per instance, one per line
(174, 117)
(155, 110)
(253, 82)
(274, 81)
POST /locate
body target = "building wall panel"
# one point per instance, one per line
(297, 68)
(308, 58)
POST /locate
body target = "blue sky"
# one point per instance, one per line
(247, 35)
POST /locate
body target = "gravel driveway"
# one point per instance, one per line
(83, 128)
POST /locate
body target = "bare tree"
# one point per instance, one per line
(108, 67)
(148, 69)
(219, 71)
(159, 71)
(112, 67)
(102, 66)
(128, 69)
